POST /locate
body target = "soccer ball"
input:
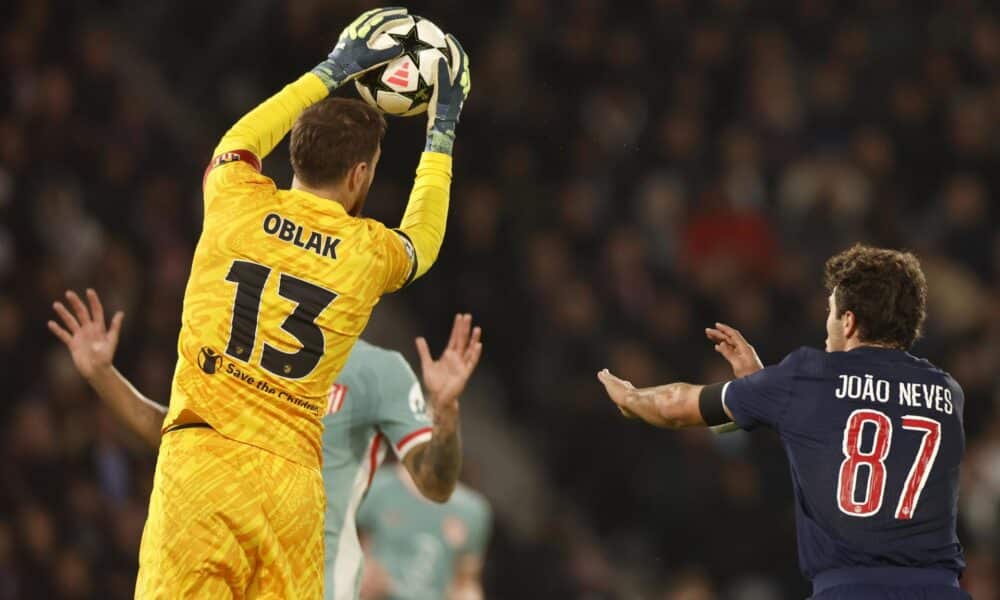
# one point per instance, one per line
(404, 85)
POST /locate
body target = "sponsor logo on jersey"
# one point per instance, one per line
(418, 404)
(209, 360)
(226, 157)
(234, 156)
(411, 252)
(411, 255)
(229, 157)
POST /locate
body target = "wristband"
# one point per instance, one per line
(713, 411)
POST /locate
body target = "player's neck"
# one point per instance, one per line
(333, 193)
(854, 344)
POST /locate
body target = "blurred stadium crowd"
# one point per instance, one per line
(627, 173)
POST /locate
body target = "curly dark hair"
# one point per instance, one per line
(885, 289)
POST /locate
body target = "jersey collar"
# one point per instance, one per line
(326, 205)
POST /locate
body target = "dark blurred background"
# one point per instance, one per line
(626, 174)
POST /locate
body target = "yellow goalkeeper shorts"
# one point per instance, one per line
(229, 520)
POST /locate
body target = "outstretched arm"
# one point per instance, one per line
(677, 405)
(260, 130)
(137, 412)
(671, 406)
(435, 465)
(92, 346)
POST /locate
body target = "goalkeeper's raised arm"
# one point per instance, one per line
(335, 145)
(423, 223)
(260, 130)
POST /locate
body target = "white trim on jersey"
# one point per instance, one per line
(725, 427)
(420, 436)
(347, 566)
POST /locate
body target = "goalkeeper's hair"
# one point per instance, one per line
(332, 136)
(885, 289)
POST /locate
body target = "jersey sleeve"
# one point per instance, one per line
(417, 240)
(235, 174)
(763, 397)
(236, 163)
(399, 257)
(402, 411)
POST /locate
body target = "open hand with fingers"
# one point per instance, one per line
(618, 390)
(731, 344)
(90, 341)
(445, 378)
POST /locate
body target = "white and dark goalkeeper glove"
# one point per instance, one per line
(450, 91)
(353, 54)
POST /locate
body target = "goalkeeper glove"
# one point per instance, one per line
(353, 54)
(450, 91)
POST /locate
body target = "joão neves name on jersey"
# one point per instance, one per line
(868, 388)
(287, 230)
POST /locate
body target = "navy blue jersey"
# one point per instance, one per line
(874, 439)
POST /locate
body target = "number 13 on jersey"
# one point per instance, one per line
(874, 460)
(311, 300)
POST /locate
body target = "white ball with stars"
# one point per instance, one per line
(404, 85)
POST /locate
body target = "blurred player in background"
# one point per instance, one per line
(282, 284)
(873, 434)
(419, 550)
(377, 401)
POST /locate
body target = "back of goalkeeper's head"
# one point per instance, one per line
(335, 145)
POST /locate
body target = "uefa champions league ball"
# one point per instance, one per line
(404, 85)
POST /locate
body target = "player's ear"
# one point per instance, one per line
(850, 324)
(357, 177)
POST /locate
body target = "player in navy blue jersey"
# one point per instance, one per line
(873, 435)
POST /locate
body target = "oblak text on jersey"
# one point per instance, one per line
(869, 389)
(287, 230)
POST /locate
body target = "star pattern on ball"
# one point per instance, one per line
(413, 46)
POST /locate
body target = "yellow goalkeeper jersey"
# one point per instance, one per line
(282, 284)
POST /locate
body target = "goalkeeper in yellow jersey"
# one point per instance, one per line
(282, 284)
